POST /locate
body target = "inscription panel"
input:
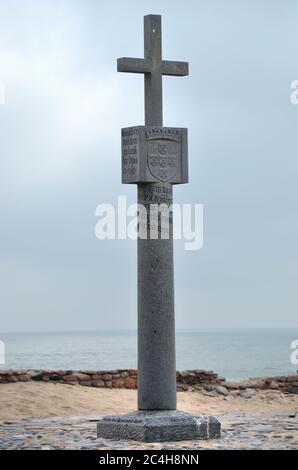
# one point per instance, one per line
(153, 154)
(130, 153)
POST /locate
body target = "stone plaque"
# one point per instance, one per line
(153, 154)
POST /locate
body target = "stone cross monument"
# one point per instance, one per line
(155, 157)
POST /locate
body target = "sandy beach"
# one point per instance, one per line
(39, 399)
(49, 416)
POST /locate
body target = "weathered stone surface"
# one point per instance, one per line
(235, 393)
(12, 378)
(232, 385)
(107, 377)
(222, 390)
(117, 383)
(23, 378)
(246, 394)
(55, 378)
(70, 378)
(116, 376)
(130, 382)
(98, 383)
(86, 383)
(292, 378)
(124, 374)
(292, 389)
(183, 373)
(274, 385)
(158, 426)
(96, 376)
(154, 154)
(37, 377)
(7, 372)
(82, 377)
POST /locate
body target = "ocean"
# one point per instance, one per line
(234, 354)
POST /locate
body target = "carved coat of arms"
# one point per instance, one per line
(163, 155)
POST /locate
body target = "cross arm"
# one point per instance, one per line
(170, 67)
(131, 65)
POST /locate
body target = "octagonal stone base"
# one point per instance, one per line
(158, 426)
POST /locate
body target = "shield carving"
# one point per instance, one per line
(163, 159)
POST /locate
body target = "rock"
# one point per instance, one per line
(6, 372)
(116, 376)
(124, 374)
(256, 384)
(292, 415)
(85, 383)
(292, 389)
(96, 376)
(184, 373)
(292, 378)
(222, 390)
(107, 377)
(81, 377)
(117, 383)
(208, 394)
(246, 394)
(23, 378)
(37, 377)
(98, 383)
(208, 387)
(130, 382)
(182, 387)
(70, 378)
(55, 378)
(274, 385)
(232, 385)
(11, 378)
(281, 378)
(209, 373)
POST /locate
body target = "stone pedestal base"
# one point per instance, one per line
(158, 426)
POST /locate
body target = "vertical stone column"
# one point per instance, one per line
(156, 315)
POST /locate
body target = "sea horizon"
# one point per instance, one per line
(234, 353)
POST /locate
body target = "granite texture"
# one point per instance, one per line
(158, 426)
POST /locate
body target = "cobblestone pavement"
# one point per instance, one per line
(239, 431)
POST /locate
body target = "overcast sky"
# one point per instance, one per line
(60, 158)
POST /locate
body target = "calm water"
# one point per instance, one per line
(235, 354)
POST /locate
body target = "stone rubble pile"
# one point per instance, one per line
(208, 382)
